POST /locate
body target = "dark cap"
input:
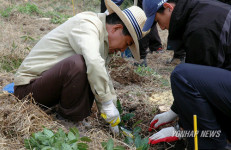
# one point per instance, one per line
(150, 8)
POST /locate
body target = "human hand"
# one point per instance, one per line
(110, 113)
(162, 119)
(164, 135)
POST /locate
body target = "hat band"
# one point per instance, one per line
(134, 23)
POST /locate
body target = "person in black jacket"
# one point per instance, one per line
(151, 40)
(201, 86)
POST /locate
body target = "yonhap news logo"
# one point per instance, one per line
(203, 133)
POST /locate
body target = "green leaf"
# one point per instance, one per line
(122, 123)
(32, 143)
(58, 144)
(138, 141)
(36, 135)
(82, 146)
(44, 140)
(146, 147)
(27, 144)
(119, 107)
(48, 133)
(74, 146)
(86, 139)
(47, 148)
(145, 141)
(127, 116)
(60, 133)
(51, 140)
(110, 144)
(135, 124)
(136, 131)
(104, 145)
(75, 131)
(128, 140)
(71, 136)
(145, 144)
(66, 147)
(119, 148)
(72, 141)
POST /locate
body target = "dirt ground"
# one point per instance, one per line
(142, 91)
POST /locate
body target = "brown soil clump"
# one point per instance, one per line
(123, 72)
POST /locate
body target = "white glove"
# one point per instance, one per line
(110, 113)
(164, 135)
(162, 119)
(115, 130)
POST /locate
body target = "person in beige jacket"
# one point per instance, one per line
(68, 66)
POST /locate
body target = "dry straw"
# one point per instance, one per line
(19, 119)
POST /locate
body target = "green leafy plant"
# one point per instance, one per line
(140, 144)
(109, 145)
(6, 12)
(10, 63)
(124, 117)
(164, 82)
(146, 71)
(27, 38)
(48, 140)
(29, 8)
(56, 17)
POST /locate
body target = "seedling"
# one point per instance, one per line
(48, 140)
(109, 145)
(29, 8)
(27, 38)
(56, 17)
(146, 71)
(6, 12)
(135, 139)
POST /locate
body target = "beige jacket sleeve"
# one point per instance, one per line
(86, 37)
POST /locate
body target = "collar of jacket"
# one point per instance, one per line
(102, 17)
(179, 18)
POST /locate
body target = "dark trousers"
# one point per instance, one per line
(206, 92)
(151, 40)
(102, 7)
(65, 84)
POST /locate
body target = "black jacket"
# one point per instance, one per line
(202, 28)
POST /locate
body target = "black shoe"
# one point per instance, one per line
(143, 63)
(175, 60)
(160, 50)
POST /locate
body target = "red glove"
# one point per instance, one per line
(164, 135)
(162, 119)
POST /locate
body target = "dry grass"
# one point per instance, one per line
(19, 119)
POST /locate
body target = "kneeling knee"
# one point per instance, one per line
(182, 70)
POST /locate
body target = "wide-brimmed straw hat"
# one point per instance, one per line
(134, 19)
